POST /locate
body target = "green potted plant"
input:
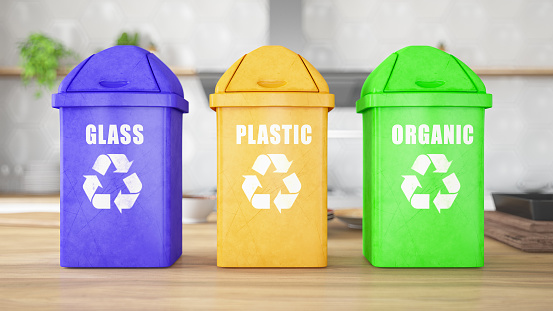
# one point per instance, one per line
(126, 39)
(40, 58)
(134, 39)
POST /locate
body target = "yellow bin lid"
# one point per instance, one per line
(272, 76)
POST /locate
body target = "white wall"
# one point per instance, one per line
(207, 34)
(338, 34)
(359, 34)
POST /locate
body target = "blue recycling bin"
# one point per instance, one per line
(121, 161)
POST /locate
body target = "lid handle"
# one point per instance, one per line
(271, 83)
(113, 84)
(430, 84)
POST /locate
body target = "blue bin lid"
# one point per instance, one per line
(131, 75)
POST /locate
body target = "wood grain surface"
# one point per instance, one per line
(30, 277)
(519, 222)
(533, 242)
(524, 234)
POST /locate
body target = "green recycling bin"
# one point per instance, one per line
(423, 132)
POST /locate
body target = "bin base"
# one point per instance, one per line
(377, 264)
(164, 265)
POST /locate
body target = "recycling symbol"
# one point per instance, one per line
(262, 200)
(122, 166)
(411, 183)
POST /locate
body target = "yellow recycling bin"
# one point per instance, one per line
(272, 109)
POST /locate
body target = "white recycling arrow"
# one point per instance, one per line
(409, 185)
(90, 185)
(444, 201)
(421, 164)
(261, 164)
(102, 164)
(292, 183)
(122, 164)
(250, 185)
(420, 201)
(261, 201)
(452, 183)
(285, 201)
(440, 162)
(101, 201)
(125, 201)
(281, 163)
(133, 183)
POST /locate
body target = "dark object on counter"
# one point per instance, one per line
(535, 206)
(353, 217)
(521, 233)
(330, 214)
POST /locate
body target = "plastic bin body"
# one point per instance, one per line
(423, 124)
(271, 189)
(121, 159)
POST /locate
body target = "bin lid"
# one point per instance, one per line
(121, 70)
(423, 76)
(270, 70)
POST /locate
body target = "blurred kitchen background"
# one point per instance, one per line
(509, 43)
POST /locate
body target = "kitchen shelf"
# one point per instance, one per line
(482, 71)
(504, 71)
(16, 71)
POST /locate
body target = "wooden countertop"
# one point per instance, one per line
(30, 277)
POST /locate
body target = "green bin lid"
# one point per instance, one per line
(423, 76)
